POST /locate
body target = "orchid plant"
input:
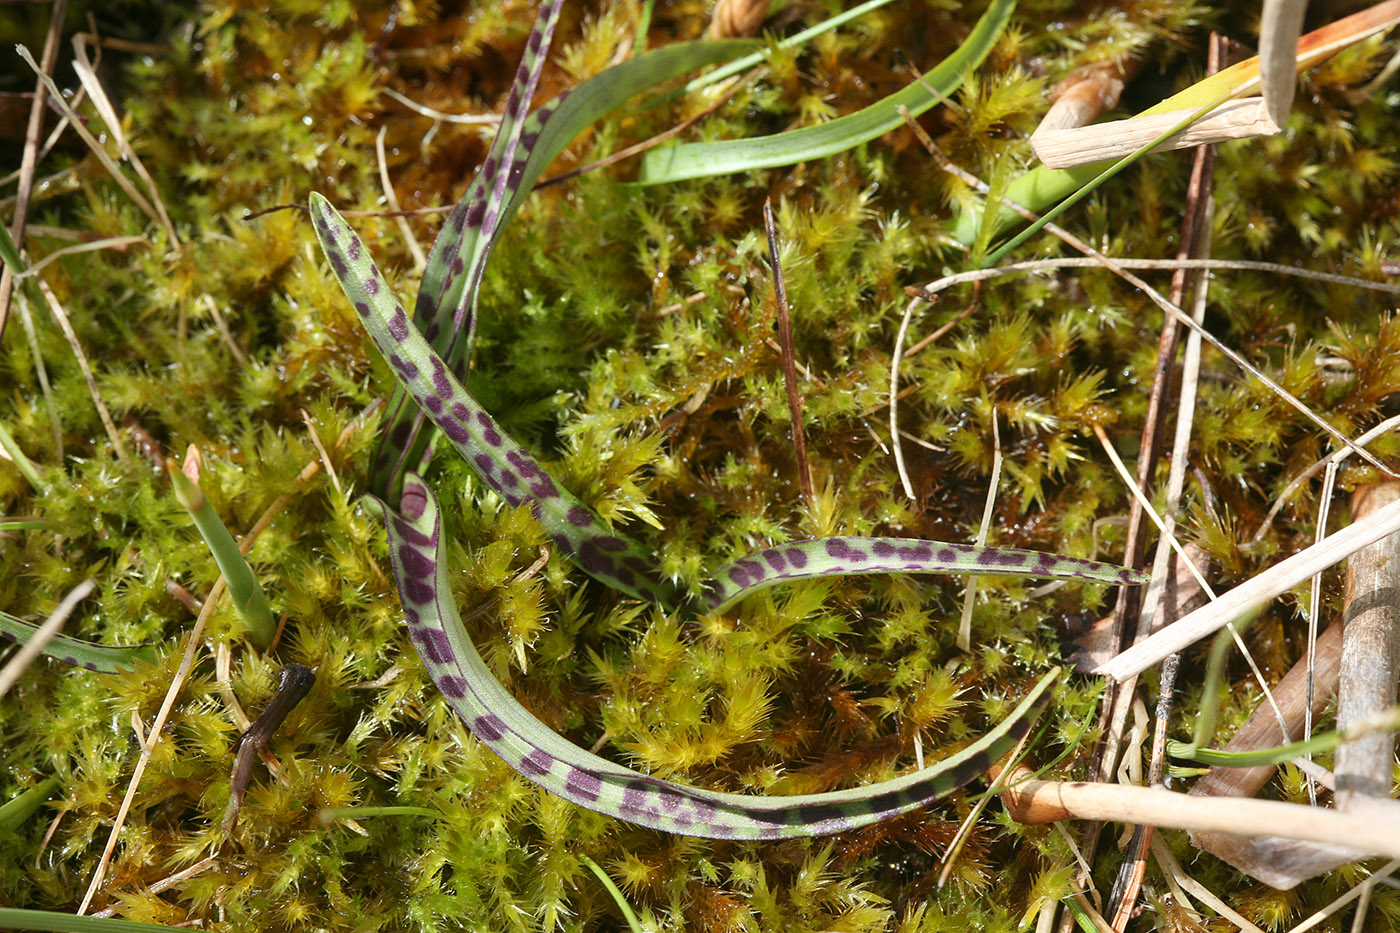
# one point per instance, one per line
(429, 354)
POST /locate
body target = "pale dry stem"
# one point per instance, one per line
(29, 160)
(391, 197)
(738, 18)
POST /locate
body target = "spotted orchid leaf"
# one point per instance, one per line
(728, 156)
(493, 454)
(845, 556)
(446, 305)
(108, 659)
(530, 747)
(445, 310)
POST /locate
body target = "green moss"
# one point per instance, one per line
(623, 338)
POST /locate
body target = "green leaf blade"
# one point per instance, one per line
(726, 157)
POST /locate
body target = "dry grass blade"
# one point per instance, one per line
(469, 119)
(1172, 869)
(88, 76)
(1382, 875)
(1333, 458)
(1236, 119)
(1280, 25)
(970, 596)
(62, 317)
(35, 645)
(29, 161)
(116, 242)
(97, 148)
(794, 398)
(1036, 801)
(419, 258)
(1278, 579)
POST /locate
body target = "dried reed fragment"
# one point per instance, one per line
(1361, 653)
(736, 18)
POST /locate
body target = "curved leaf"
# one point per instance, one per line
(725, 157)
(493, 455)
(846, 556)
(531, 748)
(78, 653)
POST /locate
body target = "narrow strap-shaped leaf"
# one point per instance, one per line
(502, 464)
(457, 262)
(527, 745)
(446, 306)
(725, 157)
(79, 653)
(844, 556)
(454, 265)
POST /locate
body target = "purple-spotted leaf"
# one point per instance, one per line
(108, 659)
(537, 752)
(493, 454)
(835, 557)
(445, 310)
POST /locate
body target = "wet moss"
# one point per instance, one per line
(624, 339)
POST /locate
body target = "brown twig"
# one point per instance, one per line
(1035, 801)
(29, 161)
(799, 434)
(1370, 659)
(1361, 655)
(1195, 244)
(296, 682)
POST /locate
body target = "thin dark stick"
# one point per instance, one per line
(799, 435)
(415, 212)
(1128, 609)
(297, 681)
(29, 161)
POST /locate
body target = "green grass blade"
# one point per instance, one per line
(740, 65)
(243, 586)
(359, 813)
(22, 463)
(15, 812)
(726, 157)
(611, 887)
(847, 556)
(13, 918)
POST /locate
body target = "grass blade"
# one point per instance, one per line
(12, 918)
(16, 811)
(726, 157)
(243, 586)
